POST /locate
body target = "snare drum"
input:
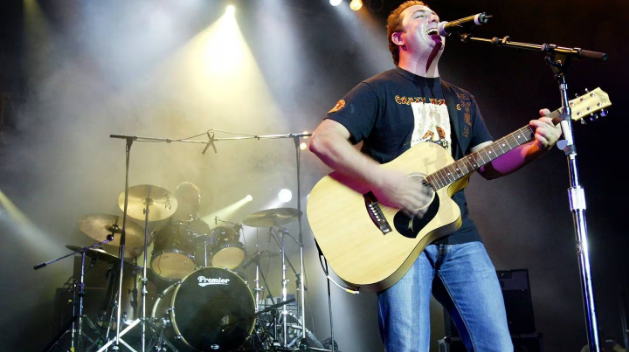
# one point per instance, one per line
(173, 251)
(227, 250)
(211, 309)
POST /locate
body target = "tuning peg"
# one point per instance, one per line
(587, 90)
(594, 117)
(604, 113)
(583, 122)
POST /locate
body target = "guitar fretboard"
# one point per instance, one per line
(462, 167)
(474, 161)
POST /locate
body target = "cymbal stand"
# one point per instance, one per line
(258, 289)
(142, 319)
(116, 299)
(284, 292)
(75, 325)
(299, 284)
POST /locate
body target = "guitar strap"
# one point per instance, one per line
(451, 103)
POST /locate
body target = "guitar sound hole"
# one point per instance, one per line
(411, 226)
(428, 190)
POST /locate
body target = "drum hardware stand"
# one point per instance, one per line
(558, 58)
(275, 345)
(161, 339)
(142, 320)
(301, 292)
(258, 290)
(117, 298)
(75, 325)
(285, 280)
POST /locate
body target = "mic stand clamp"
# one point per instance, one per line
(210, 142)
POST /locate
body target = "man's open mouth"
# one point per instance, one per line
(432, 31)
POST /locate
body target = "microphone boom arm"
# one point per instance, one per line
(550, 49)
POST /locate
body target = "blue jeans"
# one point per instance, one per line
(466, 285)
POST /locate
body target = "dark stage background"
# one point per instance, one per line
(73, 72)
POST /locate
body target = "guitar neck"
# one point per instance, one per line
(472, 162)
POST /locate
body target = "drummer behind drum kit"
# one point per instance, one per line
(198, 276)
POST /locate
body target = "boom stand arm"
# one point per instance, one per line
(558, 58)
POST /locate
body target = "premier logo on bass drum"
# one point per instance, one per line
(206, 281)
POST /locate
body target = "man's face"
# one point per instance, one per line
(420, 32)
(190, 198)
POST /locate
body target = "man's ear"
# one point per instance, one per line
(396, 38)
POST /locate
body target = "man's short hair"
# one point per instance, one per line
(394, 24)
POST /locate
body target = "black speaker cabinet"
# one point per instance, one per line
(521, 343)
(518, 303)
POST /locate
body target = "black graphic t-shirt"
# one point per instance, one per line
(397, 109)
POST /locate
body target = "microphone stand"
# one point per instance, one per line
(558, 58)
(75, 325)
(117, 340)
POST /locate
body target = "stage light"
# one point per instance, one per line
(231, 10)
(356, 5)
(285, 195)
(335, 2)
(227, 212)
(303, 146)
(13, 220)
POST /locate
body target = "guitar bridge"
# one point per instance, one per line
(375, 213)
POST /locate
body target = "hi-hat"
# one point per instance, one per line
(162, 204)
(99, 226)
(271, 217)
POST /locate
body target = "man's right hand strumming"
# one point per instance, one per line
(397, 190)
(330, 142)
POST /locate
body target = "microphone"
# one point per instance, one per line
(447, 28)
(252, 260)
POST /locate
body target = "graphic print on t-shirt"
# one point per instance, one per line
(432, 123)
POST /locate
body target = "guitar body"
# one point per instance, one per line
(358, 251)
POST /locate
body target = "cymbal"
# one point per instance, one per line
(99, 226)
(162, 203)
(97, 253)
(271, 217)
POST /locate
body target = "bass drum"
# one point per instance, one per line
(211, 309)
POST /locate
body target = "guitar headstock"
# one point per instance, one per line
(592, 103)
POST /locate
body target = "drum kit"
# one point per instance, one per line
(193, 287)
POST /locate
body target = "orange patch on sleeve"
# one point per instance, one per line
(338, 106)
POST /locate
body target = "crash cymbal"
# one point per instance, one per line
(271, 217)
(162, 203)
(99, 226)
(99, 254)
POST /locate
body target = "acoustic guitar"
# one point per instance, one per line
(371, 246)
